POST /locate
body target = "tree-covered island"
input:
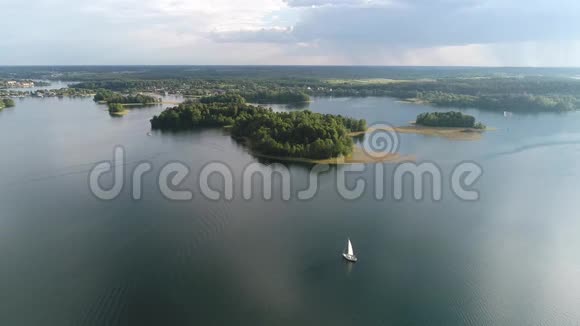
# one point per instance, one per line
(448, 119)
(117, 109)
(451, 125)
(110, 97)
(116, 102)
(299, 134)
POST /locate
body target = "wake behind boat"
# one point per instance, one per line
(349, 254)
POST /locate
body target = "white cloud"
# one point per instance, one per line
(219, 15)
(421, 32)
(333, 3)
(262, 35)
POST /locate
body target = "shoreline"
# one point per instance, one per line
(414, 101)
(358, 156)
(119, 114)
(451, 133)
(140, 104)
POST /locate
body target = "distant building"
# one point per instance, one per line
(21, 84)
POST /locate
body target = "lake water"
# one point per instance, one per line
(68, 258)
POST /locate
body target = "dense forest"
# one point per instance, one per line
(503, 102)
(296, 134)
(497, 89)
(113, 97)
(522, 94)
(448, 119)
(223, 98)
(189, 72)
(268, 93)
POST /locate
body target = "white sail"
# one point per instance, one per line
(350, 251)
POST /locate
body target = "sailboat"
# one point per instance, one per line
(349, 254)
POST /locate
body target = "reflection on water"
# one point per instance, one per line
(349, 267)
(288, 107)
(69, 258)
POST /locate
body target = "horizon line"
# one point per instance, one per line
(286, 65)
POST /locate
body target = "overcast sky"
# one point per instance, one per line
(340, 32)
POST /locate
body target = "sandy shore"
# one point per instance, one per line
(358, 155)
(445, 132)
(119, 114)
(451, 133)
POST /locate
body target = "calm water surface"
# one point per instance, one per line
(68, 258)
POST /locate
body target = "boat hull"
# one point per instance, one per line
(351, 258)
